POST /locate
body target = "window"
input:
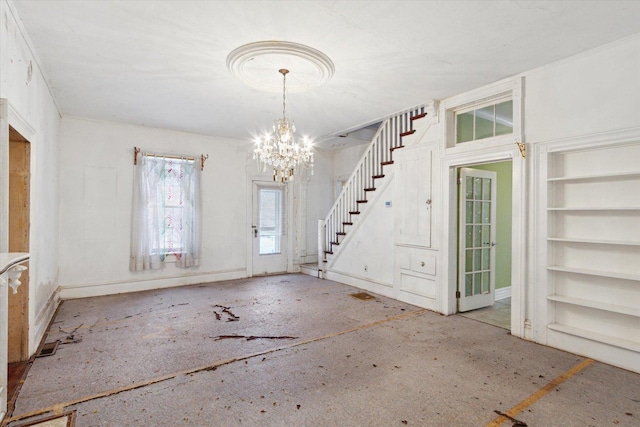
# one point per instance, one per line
(484, 122)
(170, 200)
(270, 210)
(166, 213)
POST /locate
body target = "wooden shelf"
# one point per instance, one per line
(599, 273)
(596, 177)
(593, 336)
(596, 208)
(593, 241)
(595, 304)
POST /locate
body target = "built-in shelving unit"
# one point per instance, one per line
(593, 239)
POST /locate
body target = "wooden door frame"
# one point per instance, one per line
(449, 230)
(18, 312)
(9, 116)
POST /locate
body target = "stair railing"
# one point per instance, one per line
(369, 168)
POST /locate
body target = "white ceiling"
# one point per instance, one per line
(163, 63)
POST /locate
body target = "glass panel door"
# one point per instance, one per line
(476, 263)
(269, 228)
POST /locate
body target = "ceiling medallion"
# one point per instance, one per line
(254, 63)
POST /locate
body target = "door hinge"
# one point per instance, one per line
(457, 294)
(459, 181)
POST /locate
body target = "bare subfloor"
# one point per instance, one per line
(294, 350)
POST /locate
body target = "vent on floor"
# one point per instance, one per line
(48, 349)
(363, 296)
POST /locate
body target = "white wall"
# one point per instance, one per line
(33, 113)
(319, 199)
(345, 160)
(96, 172)
(367, 251)
(596, 91)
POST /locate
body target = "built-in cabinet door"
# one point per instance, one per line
(477, 232)
(413, 189)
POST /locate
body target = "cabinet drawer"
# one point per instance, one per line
(425, 264)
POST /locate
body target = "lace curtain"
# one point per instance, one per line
(166, 213)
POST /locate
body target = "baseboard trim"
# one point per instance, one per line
(503, 293)
(42, 321)
(73, 292)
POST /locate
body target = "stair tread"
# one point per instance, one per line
(335, 243)
(377, 176)
(370, 189)
(407, 133)
(341, 233)
(389, 162)
(354, 212)
(361, 201)
(328, 252)
(347, 223)
(395, 148)
(418, 116)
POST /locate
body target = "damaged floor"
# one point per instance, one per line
(294, 350)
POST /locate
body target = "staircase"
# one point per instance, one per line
(352, 201)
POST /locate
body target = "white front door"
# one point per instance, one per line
(477, 239)
(269, 228)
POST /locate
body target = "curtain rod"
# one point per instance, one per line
(136, 151)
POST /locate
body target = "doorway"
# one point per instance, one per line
(485, 242)
(18, 241)
(269, 228)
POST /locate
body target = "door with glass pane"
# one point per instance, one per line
(269, 228)
(477, 232)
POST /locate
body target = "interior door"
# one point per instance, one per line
(477, 239)
(269, 229)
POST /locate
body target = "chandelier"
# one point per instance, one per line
(279, 149)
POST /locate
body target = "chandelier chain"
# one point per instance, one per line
(284, 96)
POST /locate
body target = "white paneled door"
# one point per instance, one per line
(477, 239)
(269, 228)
